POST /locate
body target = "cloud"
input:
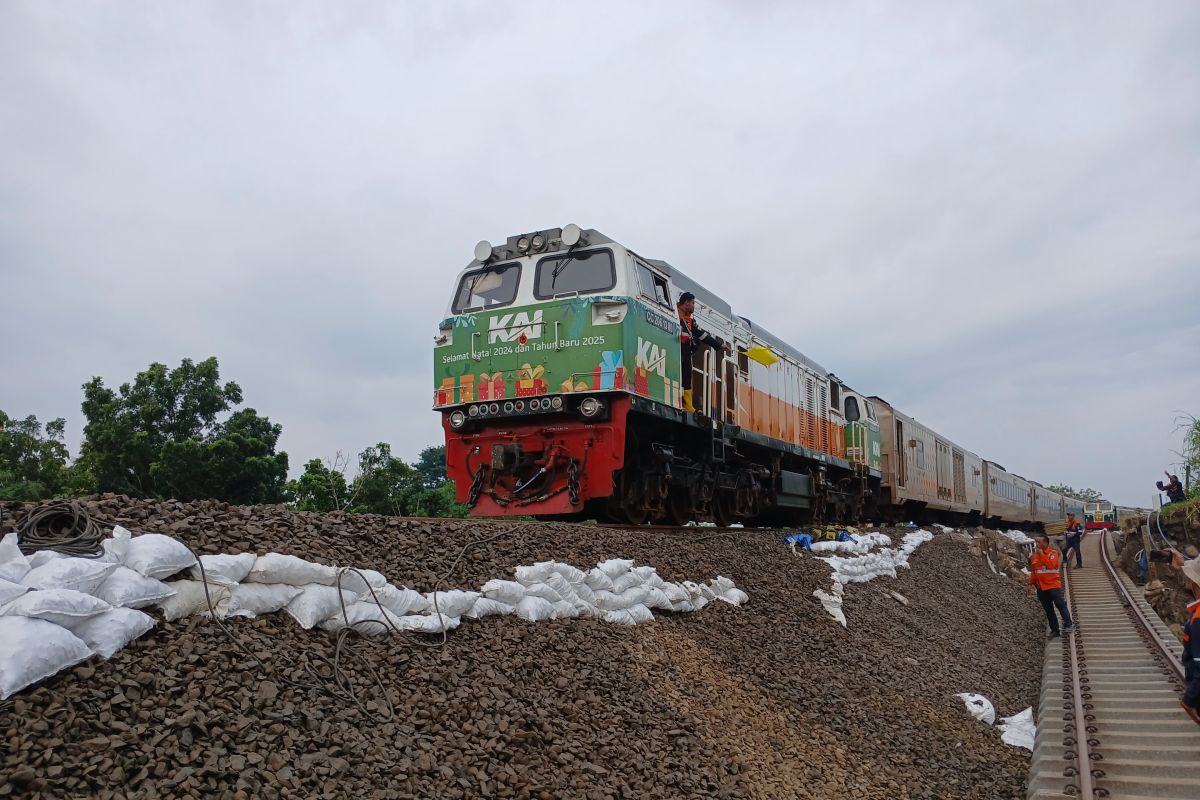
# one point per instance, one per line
(987, 215)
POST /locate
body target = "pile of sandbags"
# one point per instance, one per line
(865, 566)
(57, 610)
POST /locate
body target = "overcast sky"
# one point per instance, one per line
(988, 214)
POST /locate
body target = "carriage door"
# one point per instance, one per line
(960, 478)
(943, 470)
(901, 455)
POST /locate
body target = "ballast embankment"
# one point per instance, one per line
(770, 699)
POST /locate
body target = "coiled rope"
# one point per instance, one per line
(65, 527)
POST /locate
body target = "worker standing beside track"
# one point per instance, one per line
(1191, 638)
(1044, 574)
(1074, 540)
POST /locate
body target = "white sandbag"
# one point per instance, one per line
(623, 583)
(674, 592)
(597, 579)
(280, 568)
(683, 606)
(365, 617)
(399, 600)
(544, 591)
(360, 581)
(567, 591)
(530, 574)
(453, 603)
(565, 610)
(44, 557)
(509, 592)
(33, 649)
(648, 575)
(428, 623)
(224, 568)
(107, 633)
(1019, 730)
(60, 606)
(570, 573)
(486, 607)
(10, 590)
(734, 596)
(125, 588)
(189, 599)
(252, 599)
(13, 563)
(317, 603)
(656, 598)
(80, 574)
(534, 609)
(157, 555)
(615, 567)
(116, 546)
(832, 604)
(633, 615)
(979, 707)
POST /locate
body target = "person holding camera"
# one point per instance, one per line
(1172, 487)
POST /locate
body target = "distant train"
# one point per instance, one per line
(1099, 516)
(558, 376)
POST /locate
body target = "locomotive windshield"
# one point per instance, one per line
(571, 273)
(487, 288)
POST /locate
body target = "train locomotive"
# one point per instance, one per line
(558, 377)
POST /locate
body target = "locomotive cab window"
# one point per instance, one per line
(575, 273)
(653, 285)
(835, 395)
(852, 414)
(743, 361)
(487, 288)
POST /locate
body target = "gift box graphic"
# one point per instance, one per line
(530, 381)
(641, 380)
(610, 372)
(491, 387)
(572, 385)
(465, 385)
(672, 392)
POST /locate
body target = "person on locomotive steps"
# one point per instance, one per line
(1074, 534)
(1043, 573)
(1191, 637)
(691, 337)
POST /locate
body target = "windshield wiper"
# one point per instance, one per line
(558, 269)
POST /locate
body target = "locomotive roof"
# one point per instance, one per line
(721, 306)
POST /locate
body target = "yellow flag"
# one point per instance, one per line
(762, 355)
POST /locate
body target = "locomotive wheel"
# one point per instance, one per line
(677, 510)
(724, 512)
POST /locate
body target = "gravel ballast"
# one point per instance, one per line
(769, 700)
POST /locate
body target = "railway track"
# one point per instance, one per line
(1110, 697)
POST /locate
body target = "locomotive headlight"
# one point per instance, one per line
(473, 411)
(457, 419)
(538, 243)
(523, 244)
(591, 408)
(557, 403)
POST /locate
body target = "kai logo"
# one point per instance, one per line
(651, 357)
(511, 327)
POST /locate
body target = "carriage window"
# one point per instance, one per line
(870, 410)
(487, 288)
(852, 409)
(653, 285)
(575, 273)
(920, 453)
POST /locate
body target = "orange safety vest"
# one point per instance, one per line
(1044, 569)
(685, 328)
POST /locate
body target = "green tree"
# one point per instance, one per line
(34, 465)
(432, 466)
(384, 484)
(161, 436)
(321, 487)
(1086, 495)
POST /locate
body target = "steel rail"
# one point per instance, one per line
(1172, 660)
(1083, 758)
